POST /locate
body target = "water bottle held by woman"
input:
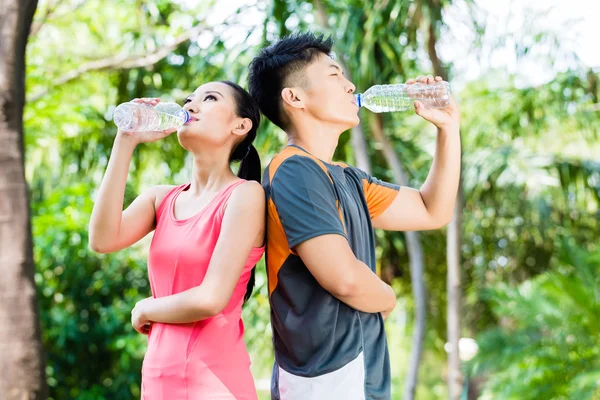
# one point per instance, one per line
(141, 117)
(386, 98)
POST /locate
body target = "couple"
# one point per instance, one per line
(327, 303)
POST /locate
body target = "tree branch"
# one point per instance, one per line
(121, 61)
(49, 13)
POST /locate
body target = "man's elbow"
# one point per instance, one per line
(344, 287)
(445, 221)
(440, 220)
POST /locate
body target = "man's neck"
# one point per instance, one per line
(318, 139)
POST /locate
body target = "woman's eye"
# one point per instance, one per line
(186, 101)
(210, 96)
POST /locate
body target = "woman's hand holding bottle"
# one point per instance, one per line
(138, 119)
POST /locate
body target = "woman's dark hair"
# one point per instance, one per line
(244, 151)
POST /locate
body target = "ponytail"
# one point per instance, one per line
(250, 285)
(250, 168)
(245, 152)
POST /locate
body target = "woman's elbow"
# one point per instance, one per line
(98, 246)
(212, 307)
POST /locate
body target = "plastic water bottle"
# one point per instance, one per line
(386, 98)
(137, 117)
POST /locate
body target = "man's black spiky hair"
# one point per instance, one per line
(274, 65)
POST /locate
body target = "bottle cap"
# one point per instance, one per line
(185, 116)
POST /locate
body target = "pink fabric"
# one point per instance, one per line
(206, 359)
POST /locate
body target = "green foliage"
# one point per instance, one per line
(86, 300)
(548, 343)
(530, 175)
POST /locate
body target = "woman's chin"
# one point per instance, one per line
(186, 135)
(190, 138)
(187, 130)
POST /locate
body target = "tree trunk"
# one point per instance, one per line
(359, 144)
(455, 379)
(415, 255)
(453, 246)
(22, 375)
(438, 68)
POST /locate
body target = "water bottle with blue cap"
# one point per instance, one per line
(387, 98)
(140, 117)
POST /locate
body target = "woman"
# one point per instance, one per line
(209, 235)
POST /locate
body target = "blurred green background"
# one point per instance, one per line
(529, 253)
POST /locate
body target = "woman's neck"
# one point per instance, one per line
(210, 172)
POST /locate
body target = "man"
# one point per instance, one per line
(327, 303)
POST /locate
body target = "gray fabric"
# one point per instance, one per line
(313, 332)
(305, 200)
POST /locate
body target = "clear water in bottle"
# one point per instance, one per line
(136, 117)
(386, 98)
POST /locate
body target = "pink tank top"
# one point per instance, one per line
(206, 359)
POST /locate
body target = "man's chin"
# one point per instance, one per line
(353, 122)
(347, 123)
